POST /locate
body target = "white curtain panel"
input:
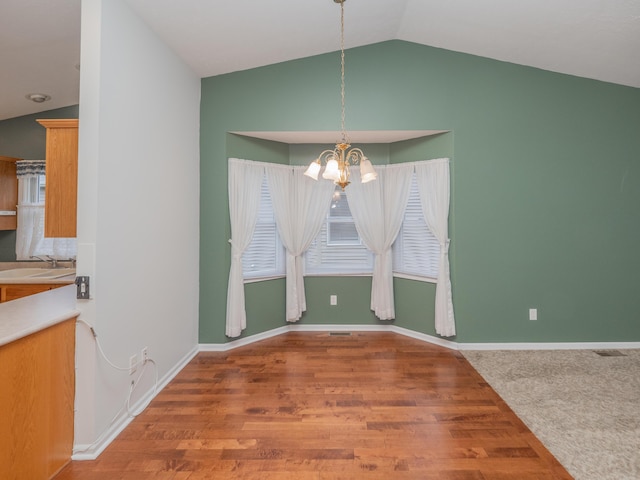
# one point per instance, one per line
(60, 248)
(433, 184)
(245, 180)
(300, 205)
(29, 218)
(378, 210)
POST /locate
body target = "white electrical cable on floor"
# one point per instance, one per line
(134, 384)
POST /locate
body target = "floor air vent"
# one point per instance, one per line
(610, 353)
(340, 334)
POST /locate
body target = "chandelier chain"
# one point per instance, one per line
(342, 157)
(344, 134)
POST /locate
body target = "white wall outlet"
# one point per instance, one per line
(333, 300)
(133, 364)
(144, 355)
(533, 314)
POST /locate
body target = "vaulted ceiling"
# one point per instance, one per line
(598, 39)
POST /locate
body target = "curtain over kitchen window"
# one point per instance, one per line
(30, 239)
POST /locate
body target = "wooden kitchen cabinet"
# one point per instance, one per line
(13, 291)
(38, 387)
(60, 202)
(8, 193)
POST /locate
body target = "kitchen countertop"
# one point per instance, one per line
(31, 264)
(24, 316)
(43, 266)
(71, 278)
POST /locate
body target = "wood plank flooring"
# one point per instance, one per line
(319, 406)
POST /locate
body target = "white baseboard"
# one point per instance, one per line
(223, 347)
(338, 328)
(91, 451)
(425, 338)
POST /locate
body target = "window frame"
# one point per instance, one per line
(336, 248)
(357, 271)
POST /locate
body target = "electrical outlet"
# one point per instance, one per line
(144, 355)
(533, 314)
(133, 364)
(333, 300)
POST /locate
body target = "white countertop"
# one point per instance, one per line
(36, 273)
(40, 281)
(27, 315)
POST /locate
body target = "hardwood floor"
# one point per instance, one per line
(320, 406)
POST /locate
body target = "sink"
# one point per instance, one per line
(54, 273)
(35, 273)
(22, 272)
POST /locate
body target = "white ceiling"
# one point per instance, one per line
(39, 53)
(599, 39)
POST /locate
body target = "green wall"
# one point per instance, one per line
(545, 189)
(23, 137)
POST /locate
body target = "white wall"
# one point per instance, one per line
(138, 203)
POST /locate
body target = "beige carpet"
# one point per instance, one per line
(584, 407)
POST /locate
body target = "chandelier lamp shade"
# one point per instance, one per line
(339, 160)
(337, 163)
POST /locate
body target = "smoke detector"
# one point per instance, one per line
(38, 97)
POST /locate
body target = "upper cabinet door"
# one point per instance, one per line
(61, 173)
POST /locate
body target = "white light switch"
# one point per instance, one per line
(333, 300)
(533, 314)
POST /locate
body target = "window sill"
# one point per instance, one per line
(262, 279)
(415, 277)
(332, 274)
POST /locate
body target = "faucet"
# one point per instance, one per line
(47, 258)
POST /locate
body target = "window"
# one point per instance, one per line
(30, 240)
(416, 251)
(30, 231)
(32, 190)
(41, 188)
(265, 256)
(338, 249)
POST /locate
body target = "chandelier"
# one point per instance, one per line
(341, 157)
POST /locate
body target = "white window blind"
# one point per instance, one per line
(338, 249)
(265, 256)
(416, 250)
(32, 190)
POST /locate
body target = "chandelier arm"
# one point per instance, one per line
(355, 155)
(326, 155)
